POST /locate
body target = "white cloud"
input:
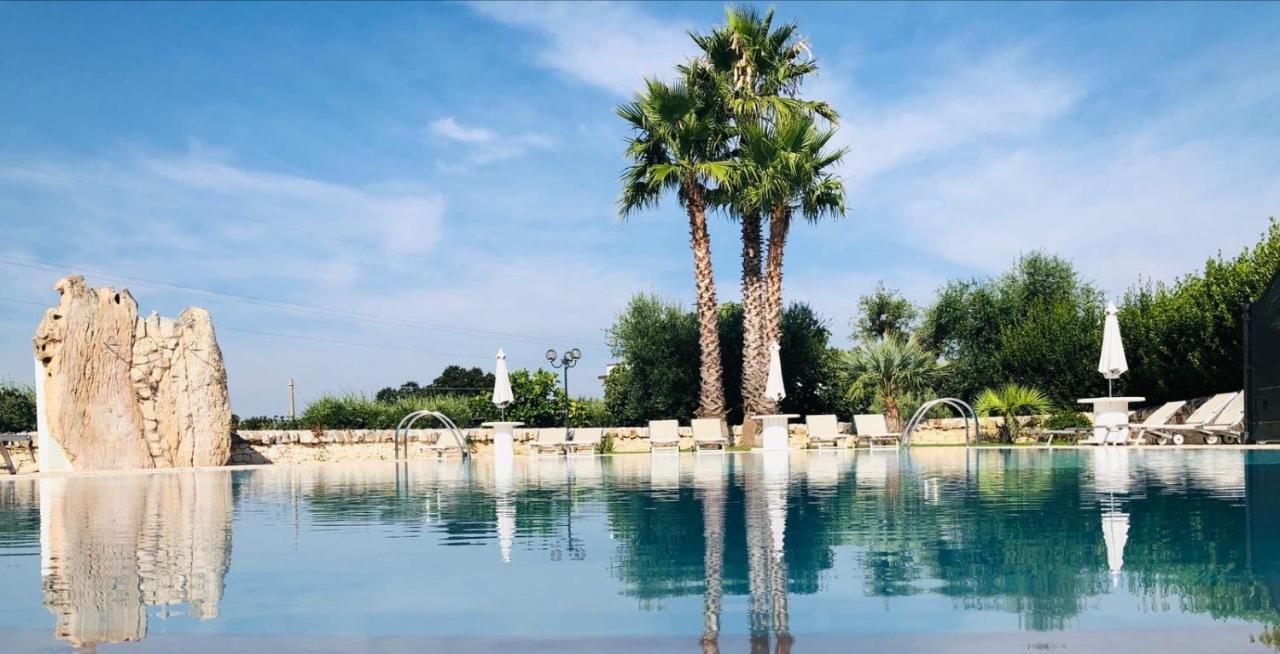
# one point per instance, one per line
(202, 221)
(485, 145)
(610, 46)
(1119, 211)
(453, 130)
(986, 161)
(998, 97)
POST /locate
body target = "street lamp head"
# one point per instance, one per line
(551, 355)
(576, 353)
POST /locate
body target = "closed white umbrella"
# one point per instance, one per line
(773, 388)
(502, 395)
(1112, 363)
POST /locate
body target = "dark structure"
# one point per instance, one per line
(1262, 366)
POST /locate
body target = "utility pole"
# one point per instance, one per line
(293, 407)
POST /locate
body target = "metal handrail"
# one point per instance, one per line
(406, 424)
(959, 405)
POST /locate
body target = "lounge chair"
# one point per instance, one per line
(709, 434)
(1137, 431)
(1219, 422)
(584, 441)
(664, 436)
(824, 432)
(874, 432)
(5, 441)
(1159, 418)
(549, 441)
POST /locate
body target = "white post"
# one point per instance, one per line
(293, 407)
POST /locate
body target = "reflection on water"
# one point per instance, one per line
(110, 547)
(772, 549)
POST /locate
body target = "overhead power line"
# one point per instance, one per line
(38, 264)
(341, 240)
(316, 339)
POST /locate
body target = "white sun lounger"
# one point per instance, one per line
(585, 441)
(664, 436)
(1137, 431)
(5, 441)
(549, 441)
(872, 429)
(709, 434)
(824, 432)
(1222, 424)
(1159, 418)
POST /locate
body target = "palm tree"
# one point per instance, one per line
(680, 143)
(761, 68)
(787, 168)
(889, 369)
(1010, 401)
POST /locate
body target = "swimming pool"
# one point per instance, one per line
(933, 549)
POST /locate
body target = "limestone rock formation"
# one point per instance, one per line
(127, 392)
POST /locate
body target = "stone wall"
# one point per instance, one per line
(303, 446)
(123, 392)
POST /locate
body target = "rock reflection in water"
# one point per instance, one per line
(112, 546)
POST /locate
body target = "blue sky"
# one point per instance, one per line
(439, 179)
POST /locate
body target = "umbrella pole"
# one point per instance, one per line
(1109, 387)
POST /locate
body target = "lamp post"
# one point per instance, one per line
(566, 361)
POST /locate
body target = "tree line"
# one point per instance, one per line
(1022, 342)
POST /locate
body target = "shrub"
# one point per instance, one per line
(17, 408)
(1067, 419)
(253, 423)
(1009, 402)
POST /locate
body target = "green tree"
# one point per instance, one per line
(656, 344)
(1185, 339)
(1038, 324)
(1009, 402)
(462, 381)
(391, 393)
(889, 370)
(679, 144)
(17, 408)
(884, 312)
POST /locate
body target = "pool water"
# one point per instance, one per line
(934, 549)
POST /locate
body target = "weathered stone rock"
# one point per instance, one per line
(123, 392)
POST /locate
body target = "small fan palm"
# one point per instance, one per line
(889, 369)
(1010, 401)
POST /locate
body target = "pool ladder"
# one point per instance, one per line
(406, 423)
(960, 406)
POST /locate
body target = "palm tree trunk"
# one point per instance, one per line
(755, 364)
(892, 414)
(779, 223)
(711, 390)
(713, 566)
